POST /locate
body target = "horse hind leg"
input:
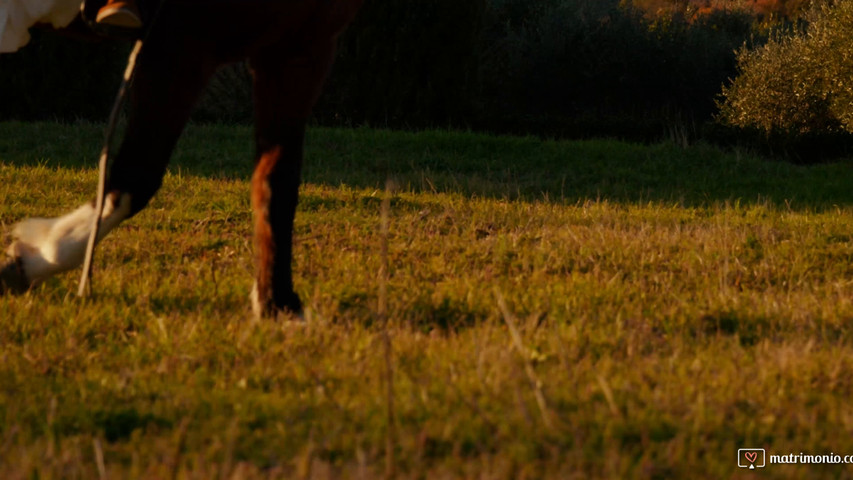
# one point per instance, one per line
(43, 247)
(285, 93)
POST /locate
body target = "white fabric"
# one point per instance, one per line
(17, 16)
(47, 246)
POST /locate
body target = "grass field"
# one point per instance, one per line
(671, 306)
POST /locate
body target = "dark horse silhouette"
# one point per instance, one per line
(290, 45)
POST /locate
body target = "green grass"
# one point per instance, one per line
(673, 304)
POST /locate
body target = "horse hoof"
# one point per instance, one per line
(12, 278)
(267, 308)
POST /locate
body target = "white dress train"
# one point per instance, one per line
(17, 16)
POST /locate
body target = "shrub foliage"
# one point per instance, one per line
(797, 84)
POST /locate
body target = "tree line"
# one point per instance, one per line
(562, 68)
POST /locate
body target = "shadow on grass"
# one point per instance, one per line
(477, 165)
(423, 313)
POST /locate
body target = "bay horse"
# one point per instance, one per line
(289, 45)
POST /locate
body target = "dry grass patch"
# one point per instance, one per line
(655, 336)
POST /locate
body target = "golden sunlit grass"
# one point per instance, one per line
(555, 310)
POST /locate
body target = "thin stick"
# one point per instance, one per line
(390, 463)
(535, 383)
(84, 288)
(180, 442)
(608, 395)
(99, 459)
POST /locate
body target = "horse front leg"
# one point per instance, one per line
(285, 92)
(169, 79)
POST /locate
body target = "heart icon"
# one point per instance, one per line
(751, 456)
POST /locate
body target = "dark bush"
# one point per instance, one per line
(552, 67)
(399, 64)
(575, 68)
(592, 67)
(57, 78)
(407, 64)
(228, 97)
